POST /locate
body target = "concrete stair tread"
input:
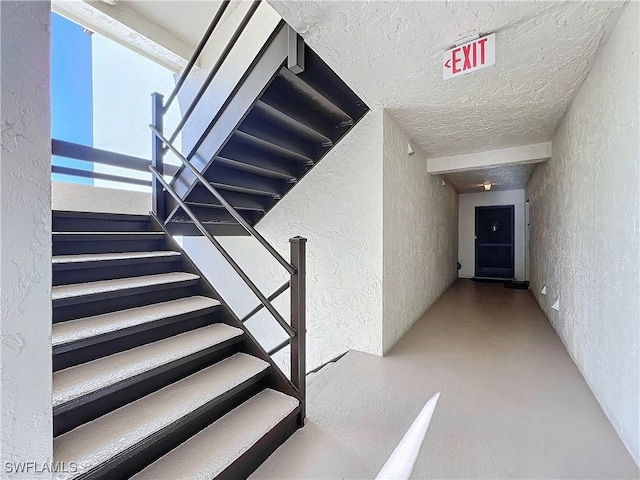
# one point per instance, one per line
(212, 450)
(80, 380)
(98, 441)
(99, 257)
(91, 288)
(74, 330)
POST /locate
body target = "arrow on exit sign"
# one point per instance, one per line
(469, 57)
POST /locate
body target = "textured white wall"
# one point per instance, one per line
(87, 198)
(338, 207)
(585, 238)
(467, 228)
(25, 238)
(420, 224)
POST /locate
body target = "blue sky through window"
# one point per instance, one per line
(71, 86)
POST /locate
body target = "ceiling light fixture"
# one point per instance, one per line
(487, 186)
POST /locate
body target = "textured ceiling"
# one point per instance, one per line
(390, 54)
(188, 24)
(507, 177)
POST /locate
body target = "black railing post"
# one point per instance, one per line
(295, 60)
(157, 154)
(298, 322)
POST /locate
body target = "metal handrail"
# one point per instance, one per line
(90, 154)
(78, 173)
(271, 298)
(85, 153)
(230, 97)
(256, 291)
(196, 53)
(214, 70)
(296, 328)
(234, 213)
(279, 347)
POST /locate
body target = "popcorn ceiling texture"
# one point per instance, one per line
(25, 236)
(506, 177)
(390, 53)
(420, 240)
(585, 238)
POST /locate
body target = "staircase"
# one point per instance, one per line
(154, 377)
(272, 131)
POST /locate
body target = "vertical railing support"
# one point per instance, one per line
(298, 321)
(295, 60)
(157, 154)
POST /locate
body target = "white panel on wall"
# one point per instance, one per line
(466, 229)
(86, 198)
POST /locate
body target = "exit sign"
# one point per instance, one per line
(469, 57)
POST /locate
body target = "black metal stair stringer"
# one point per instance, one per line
(287, 127)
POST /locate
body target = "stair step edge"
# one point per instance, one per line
(269, 109)
(64, 333)
(62, 292)
(99, 441)
(212, 450)
(79, 381)
(107, 257)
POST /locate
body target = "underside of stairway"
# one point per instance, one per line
(282, 124)
(153, 375)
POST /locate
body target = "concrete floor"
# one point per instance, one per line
(513, 404)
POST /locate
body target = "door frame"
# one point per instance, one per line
(527, 239)
(512, 207)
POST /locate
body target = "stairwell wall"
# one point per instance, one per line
(338, 207)
(585, 230)
(25, 241)
(420, 235)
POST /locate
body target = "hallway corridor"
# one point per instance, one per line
(513, 404)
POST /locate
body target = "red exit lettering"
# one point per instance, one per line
(470, 56)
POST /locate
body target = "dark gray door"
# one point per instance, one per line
(494, 241)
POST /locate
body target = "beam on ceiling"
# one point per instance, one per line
(126, 26)
(538, 152)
